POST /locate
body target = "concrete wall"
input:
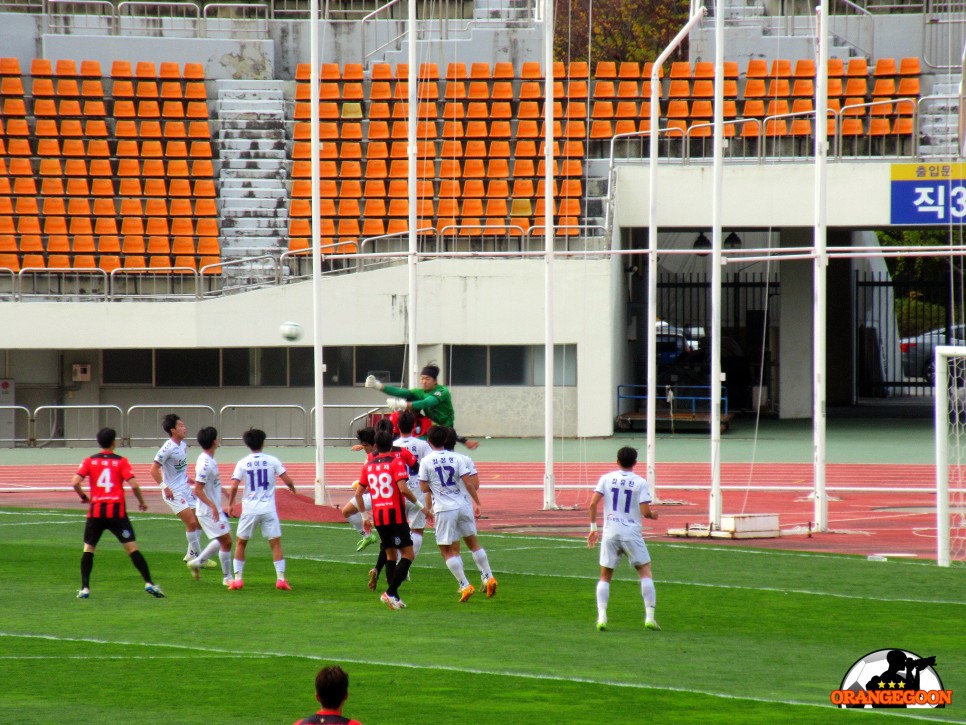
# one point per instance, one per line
(467, 302)
(756, 196)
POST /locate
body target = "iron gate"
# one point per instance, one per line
(898, 324)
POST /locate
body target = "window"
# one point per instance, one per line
(127, 367)
(187, 368)
(509, 365)
(257, 366)
(373, 358)
(467, 365)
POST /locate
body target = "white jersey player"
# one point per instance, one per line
(210, 512)
(626, 499)
(446, 478)
(257, 473)
(170, 471)
(420, 449)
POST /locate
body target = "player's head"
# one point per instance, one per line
(207, 437)
(428, 376)
(170, 422)
(437, 436)
(406, 422)
(254, 439)
(106, 438)
(384, 424)
(450, 443)
(383, 441)
(366, 436)
(332, 687)
(627, 457)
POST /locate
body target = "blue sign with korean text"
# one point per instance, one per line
(925, 194)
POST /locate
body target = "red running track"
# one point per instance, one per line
(868, 522)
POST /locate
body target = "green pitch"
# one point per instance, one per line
(749, 635)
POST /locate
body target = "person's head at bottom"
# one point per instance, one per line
(332, 687)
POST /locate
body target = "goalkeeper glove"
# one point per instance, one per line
(396, 404)
(373, 382)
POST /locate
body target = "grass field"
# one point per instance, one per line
(749, 635)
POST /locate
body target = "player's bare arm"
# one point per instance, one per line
(287, 480)
(647, 512)
(200, 494)
(231, 494)
(159, 479)
(77, 482)
(136, 490)
(474, 494)
(410, 496)
(593, 535)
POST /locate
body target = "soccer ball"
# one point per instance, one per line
(291, 331)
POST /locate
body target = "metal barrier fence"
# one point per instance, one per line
(14, 439)
(285, 424)
(143, 422)
(139, 425)
(67, 423)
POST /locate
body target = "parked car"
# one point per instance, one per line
(670, 346)
(918, 352)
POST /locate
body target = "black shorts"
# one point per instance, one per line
(395, 536)
(120, 526)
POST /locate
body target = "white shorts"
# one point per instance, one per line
(212, 528)
(179, 503)
(267, 521)
(366, 501)
(613, 547)
(451, 526)
(415, 516)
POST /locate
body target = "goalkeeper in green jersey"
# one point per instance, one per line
(430, 399)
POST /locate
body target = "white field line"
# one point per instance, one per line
(540, 677)
(566, 544)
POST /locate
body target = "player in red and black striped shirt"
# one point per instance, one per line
(107, 472)
(385, 477)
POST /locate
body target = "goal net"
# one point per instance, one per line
(950, 412)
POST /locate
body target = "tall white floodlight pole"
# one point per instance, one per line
(715, 504)
(413, 80)
(941, 413)
(820, 268)
(319, 365)
(655, 139)
(549, 492)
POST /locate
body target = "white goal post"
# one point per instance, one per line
(950, 413)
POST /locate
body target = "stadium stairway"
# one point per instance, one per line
(938, 124)
(252, 176)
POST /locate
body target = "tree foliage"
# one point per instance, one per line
(911, 269)
(618, 30)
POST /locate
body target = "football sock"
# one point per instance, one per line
(603, 595)
(141, 565)
(398, 577)
(87, 565)
(239, 567)
(356, 521)
(390, 570)
(209, 551)
(417, 544)
(482, 563)
(280, 569)
(455, 565)
(649, 594)
(225, 558)
(380, 562)
(194, 541)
